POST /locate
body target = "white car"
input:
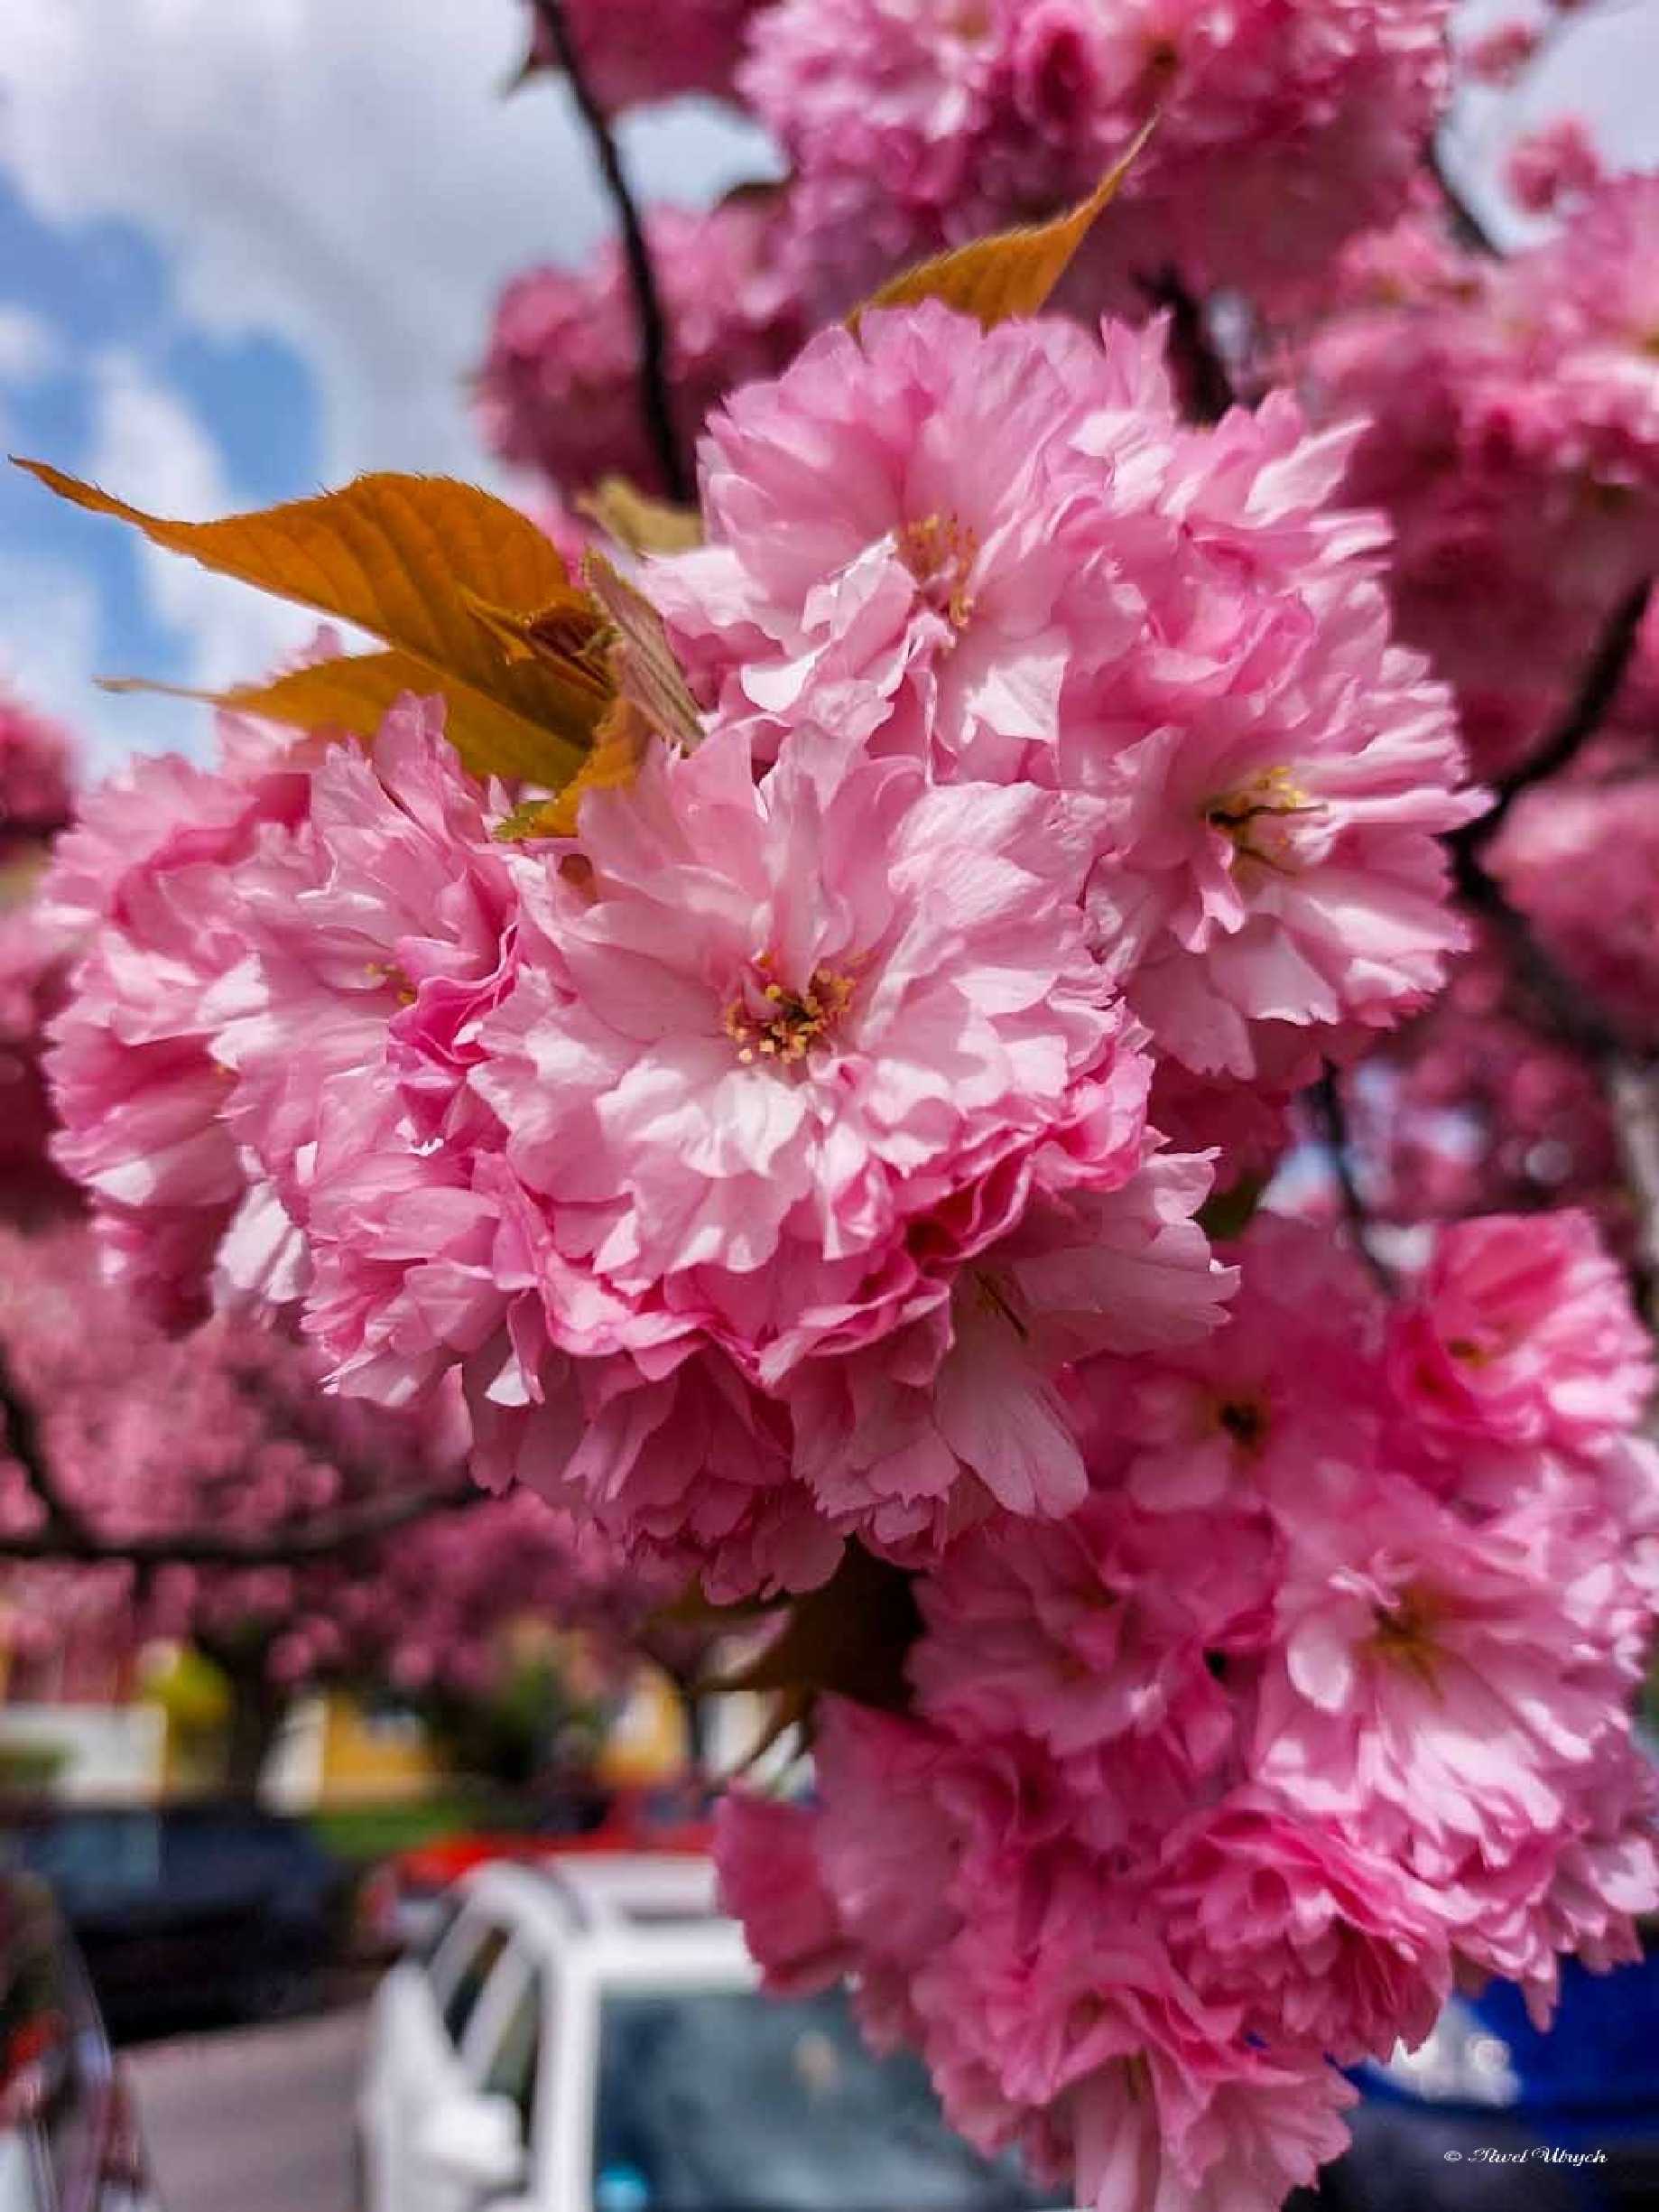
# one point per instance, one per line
(590, 2036)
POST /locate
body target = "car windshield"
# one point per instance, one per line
(94, 1858)
(721, 2100)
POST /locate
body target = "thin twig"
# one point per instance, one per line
(1207, 386)
(656, 395)
(23, 1442)
(1469, 229)
(321, 1538)
(1331, 1110)
(1604, 679)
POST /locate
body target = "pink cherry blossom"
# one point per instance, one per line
(1324, 1944)
(1271, 773)
(632, 57)
(894, 1063)
(913, 127)
(898, 534)
(1580, 860)
(1557, 161)
(36, 777)
(768, 1866)
(1499, 55)
(976, 1387)
(145, 874)
(1522, 1332)
(1432, 1683)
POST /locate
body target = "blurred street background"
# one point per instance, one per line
(258, 2119)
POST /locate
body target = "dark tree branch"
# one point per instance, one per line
(324, 1536)
(1331, 1110)
(1469, 231)
(1206, 387)
(1558, 1003)
(23, 1442)
(656, 397)
(1604, 679)
(1567, 1009)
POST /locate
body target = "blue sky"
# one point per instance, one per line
(249, 247)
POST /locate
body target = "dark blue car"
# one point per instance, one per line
(1491, 2115)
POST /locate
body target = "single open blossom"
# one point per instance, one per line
(1557, 161)
(1499, 55)
(806, 1072)
(976, 1387)
(145, 875)
(781, 1030)
(1323, 1944)
(1435, 1683)
(1522, 1332)
(899, 538)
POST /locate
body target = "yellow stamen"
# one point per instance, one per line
(784, 1025)
(940, 551)
(1251, 815)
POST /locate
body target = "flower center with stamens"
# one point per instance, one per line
(1257, 815)
(940, 551)
(1404, 1633)
(1245, 1421)
(769, 1021)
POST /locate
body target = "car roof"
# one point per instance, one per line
(627, 1917)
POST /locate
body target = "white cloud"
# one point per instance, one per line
(147, 442)
(1601, 62)
(348, 176)
(28, 350)
(49, 631)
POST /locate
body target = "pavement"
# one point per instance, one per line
(254, 2120)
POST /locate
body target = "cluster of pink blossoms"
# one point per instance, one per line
(912, 124)
(224, 1432)
(765, 1156)
(1315, 1707)
(808, 1152)
(1514, 443)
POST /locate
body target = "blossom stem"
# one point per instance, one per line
(1331, 1109)
(1604, 679)
(1471, 233)
(22, 1440)
(655, 398)
(1205, 385)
